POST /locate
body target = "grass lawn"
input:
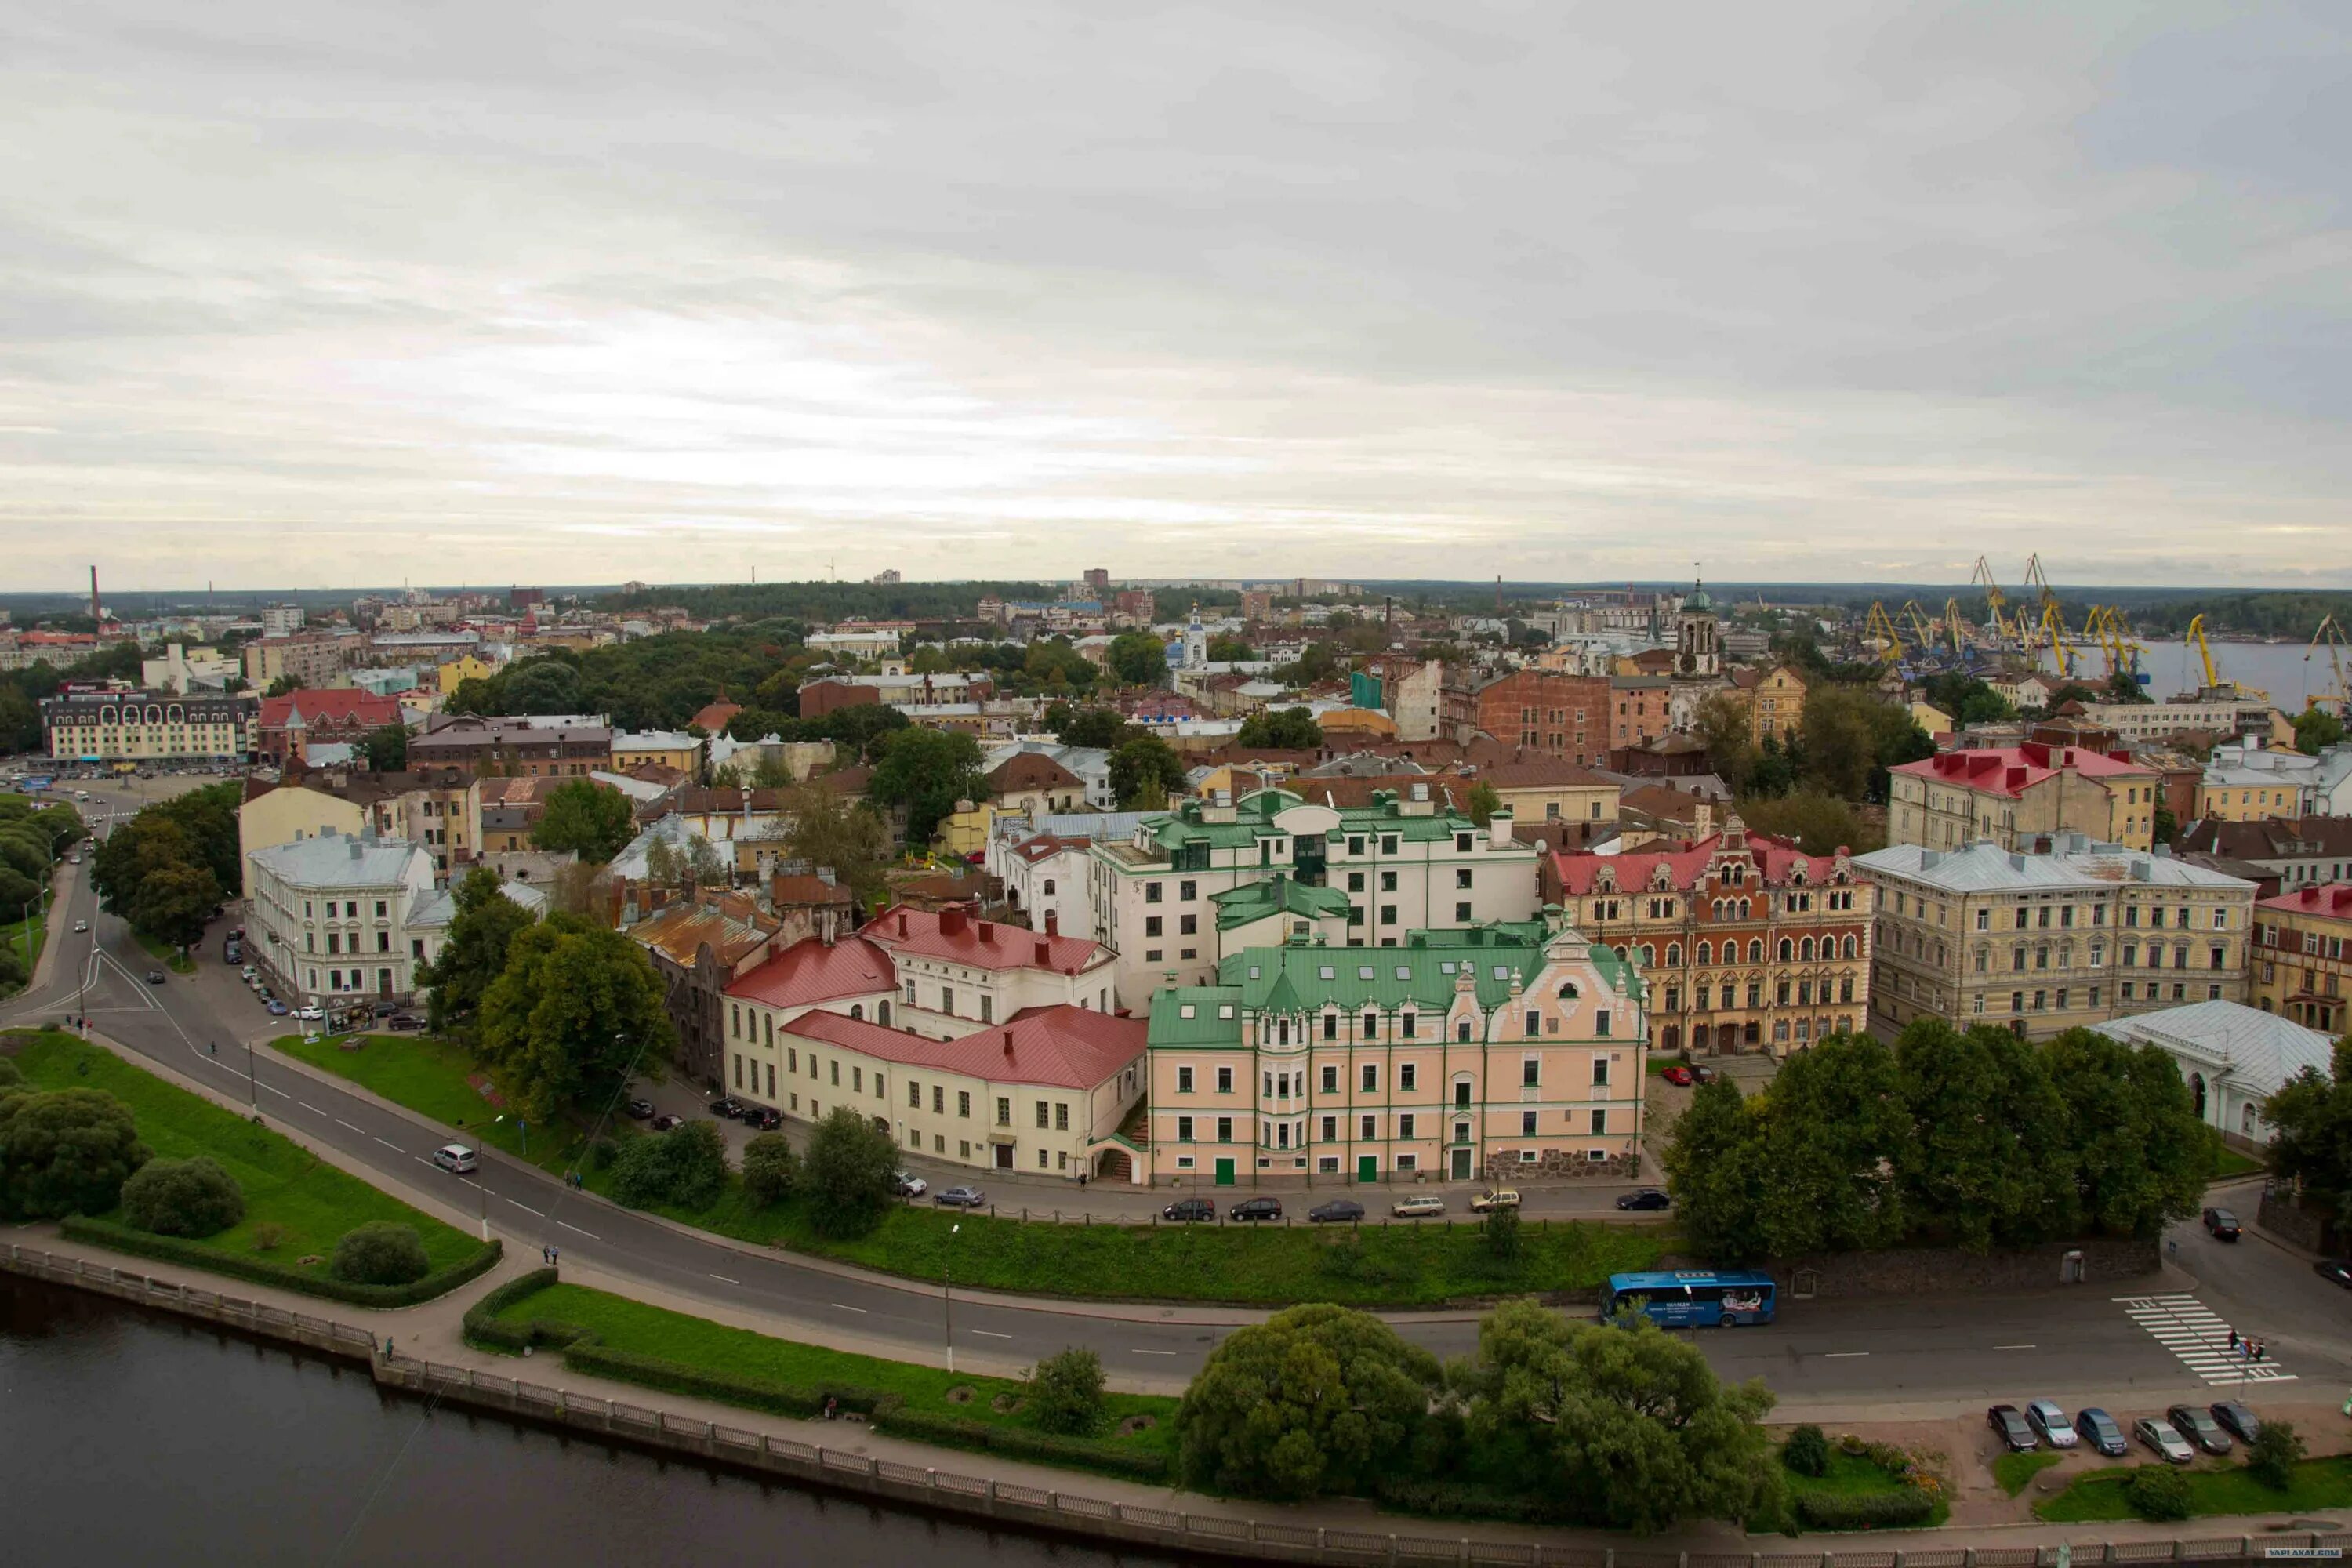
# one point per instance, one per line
(164, 954)
(284, 1184)
(14, 939)
(1398, 1265)
(2015, 1472)
(716, 1349)
(2229, 1162)
(1851, 1475)
(2217, 1490)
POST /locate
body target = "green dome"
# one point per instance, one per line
(1698, 601)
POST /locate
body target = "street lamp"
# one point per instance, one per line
(947, 1294)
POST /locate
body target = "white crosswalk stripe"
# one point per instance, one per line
(2200, 1337)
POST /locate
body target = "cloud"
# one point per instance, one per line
(1817, 291)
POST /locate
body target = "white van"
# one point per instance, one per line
(457, 1158)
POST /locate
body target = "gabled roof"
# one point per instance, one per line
(330, 705)
(2331, 900)
(2261, 1051)
(2010, 771)
(1033, 771)
(813, 970)
(1296, 977)
(1278, 894)
(731, 926)
(953, 934)
(1059, 1046)
(1686, 865)
(1045, 846)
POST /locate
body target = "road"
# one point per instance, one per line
(2072, 1345)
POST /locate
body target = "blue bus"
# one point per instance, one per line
(1697, 1297)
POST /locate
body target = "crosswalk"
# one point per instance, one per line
(2200, 1337)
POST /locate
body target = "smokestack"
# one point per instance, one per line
(1053, 923)
(94, 616)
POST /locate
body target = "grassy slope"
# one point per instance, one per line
(1402, 1264)
(2229, 1162)
(284, 1184)
(2015, 1472)
(1851, 1474)
(164, 952)
(716, 1347)
(14, 933)
(2221, 1490)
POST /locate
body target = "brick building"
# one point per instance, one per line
(1539, 711)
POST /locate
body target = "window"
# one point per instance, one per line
(1406, 1074)
(1531, 1071)
(1404, 1125)
(1183, 1130)
(1388, 882)
(1600, 1017)
(1600, 1123)
(837, 1071)
(1152, 925)
(964, 1102)
(1224, 1128)
(1225, 1080)
(1527, 1123)
(947, 1000)
(914, 1095)
(939, 1101)
(987, 1008)
(1152, 892)
(1461, 1031)
(1188, 925)
(1040, 1116)
(1371, 1079)
(1330, 1083)
(1372, 1025)
(1003, 1111)
(1183, 1080)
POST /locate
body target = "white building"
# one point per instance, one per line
(1089, 764)
(183, 670)
(1045, 877)
(956, 974)
(331, 916)
(2232, 1057)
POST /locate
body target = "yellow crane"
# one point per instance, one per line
(2053, 625)
(1923, 635)
(1882, 627)
(1952, 624)
(2195, 638)
(2331, 632)
(1994, 599)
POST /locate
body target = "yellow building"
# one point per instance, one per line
(463, 667)
(1931, 719)
(965, 831)
(2013, 796)
(665, 748)
(1343, 726)
(1551, 789)
(2300, 965)
(130, 727)
(1776, 701)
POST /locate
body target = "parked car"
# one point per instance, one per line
(249, 971)
(766, 1117)
(1494, 1198)
(2099, 1430)
(2009, 1425)
(455, 1158)
(1189, 1211)
(312, 1014)
(2236, 1419)
(2222, 1225)
(727, 1106)
(665, 1123)
(276, 1009)
(1644, 1198)
(911, 1185)
(2199, 1428)
(1702, 1074)
(639, 1110)
(1338, 1211)
(404, 1022)
(1678, 1075)
(1255, 1209)
(81, 925)
(962, 1198)
(2169, 1445)
(1419, 1207)
(2333, 1272)
(2050, 1423)
(384, 1010)
(154, 978)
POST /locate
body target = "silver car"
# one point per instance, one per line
(2170, 1445)
(2046, 1419)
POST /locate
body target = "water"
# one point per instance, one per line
(2278, 669)
(127, 1438)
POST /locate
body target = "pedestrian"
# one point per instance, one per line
(212, 1048)
(2261, 1349)
(2233, 1341)
(546, 1253)
(555, 1254)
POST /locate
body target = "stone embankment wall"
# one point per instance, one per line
(1930, 1271)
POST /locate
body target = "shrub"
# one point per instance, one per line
(2272, 1456)
(1065, 1392)
(269, 1236)
(1864, 1510)
(687, 1168)
(10, 1073)
(66, 1151)
(183, 1197)
(1020, 1442)
(381, 1252)
(851, 1175)
(263, 1271)
(767, 1169)
(2158, 1491)
(1500, 1233)
(1807, 1452)
(602, 1153)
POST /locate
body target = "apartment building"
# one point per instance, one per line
(1508, 1051)
(2300, 969)
(1776, 701)
(957, 973)
(314, 658)
(513, 748)
(2011, 796)
(2141, 721)
(440, 809)
(2042, 943)
(292, 721)
(1747, 942)
(2247, 780)
(1548, 789)
(2298, 852)
(1537, 711)
(146, 726)
(661, 748)
(328, 917)
(1639, 707)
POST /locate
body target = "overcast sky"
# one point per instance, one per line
(320, 294)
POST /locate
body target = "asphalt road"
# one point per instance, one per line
(2075, 1345)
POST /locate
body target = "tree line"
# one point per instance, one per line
(31, 839)
(170, 866)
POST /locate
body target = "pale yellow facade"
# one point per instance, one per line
(463, 667)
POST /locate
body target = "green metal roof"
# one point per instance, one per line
(1278, 894)
(1305, 978)
(1172, 1026)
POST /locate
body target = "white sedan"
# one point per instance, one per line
(911, 1185)
(81, 925)
(310, 1015)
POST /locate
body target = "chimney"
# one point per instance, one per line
(952, 920)
(1008, 1042)
(902, 923)
(1044, 953)
(1053, 923)
(987, 933)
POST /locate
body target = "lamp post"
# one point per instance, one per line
(947, 1294)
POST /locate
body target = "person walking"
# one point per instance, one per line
(2233, 1342)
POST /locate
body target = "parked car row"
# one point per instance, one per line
(2176, 1436)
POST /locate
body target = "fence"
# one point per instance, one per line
(1167, 1529)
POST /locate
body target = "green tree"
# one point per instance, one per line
(685, 1168)
(2315, 730)
(928, 771)
(2276, 1451)
(1065, 1392)
(175, 902)
(192, 1197)
(381, 1252)
(2157, 1492)
(484, 924)
(850, 1175)
(2139, 1152)
(574, 1006)
(1836, 1132)
(1286, 729)
(1987, 1126)
(1139, 659)
(66, 1151)
(386, 748)
(1482, 803)
(1316, 1399)
(1498, 1233)
(1724, 725)
(849, 839)
(591, 821)
(1225, 648)
(1851, 736)
(2311, 1116)
(1104, 727)
(20, 721)
(1715, 1162)
(284, 685)
(1820, 823)
(768, 1168)
(547, 684)
(1142, 772)
(1807, 1451)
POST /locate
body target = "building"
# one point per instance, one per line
(1776, 701)
(666, 748)
(1510, 1049)
(2138, 722)
(2299, 969)
(2232, 1057)
(2040, 943)
(1045, 879)
(441, 809)
(1405, 862)
(1697, 653)
(2247, 780)
(1032, 784)
(1089, 764)
(328, 917)
(1536, 710)
(282, 620)
(2295, 852)
(451, 674)
(514, 747)
(146, 726)
(1551, 789)
(1747, 942)
(699, 946)
(313, 658)
(1641, 705)
(2011, 796)
(292, 721)
(183, 670)
(958, 973)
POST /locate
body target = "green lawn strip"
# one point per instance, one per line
(165, 953)
(29, 949)
(2015, 1472)
(427, 1075)
(722, 1352)
(2229, 1162)
(284, 1184)
(1852, 1474)
(2098, 1496)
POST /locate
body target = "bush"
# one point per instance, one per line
(66, 1151)
(1807, 1452)
(2272, 1456)
(10, 1074)
(1021, 1442)
(1864, 1510)
(183, 1197)
(767, 1169)
(1065, 1392)
(381, 1252)
(685, 1168)
(262, 1271)
(852, 1174)
(269, 1236)
(1469, 1499)
(2158, 1491)
(483, 1325)
(1500, 1233)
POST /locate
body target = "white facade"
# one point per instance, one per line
(1000, 973)
(331, 917)
(2231, 1058)
(1045, 878)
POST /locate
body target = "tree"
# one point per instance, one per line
(1500, 1234)
(1851, 736)
(2276, 1451)
(2139, 1152)
(183, 1197)
(1139, 659)
(1142, 772)
(547, 684)
(2315, 730)
(1724, 725)
(928, 771)
(483, 926)
(848, 839)
(1225, 649)
(574, 1006)
(1484, 802)
(1988, 1126)
(66, 1151)
(2165, 826)
(381, 1252)
(1715, 1162)
(17, 893)
(1287, 729)
(851, 1174)
(20, 721)
(1822, 823)
(284, 685)
(1807, 1451)
(2158, 1492)
(583, 817)
(1617, 1424)
(685, 1168)
(1065, 1392)
(174, 903)
(2312, 1141)
(386, 748)
(1836, 1132)
(1103, 727)
(768, 1166)
(1315, 1399)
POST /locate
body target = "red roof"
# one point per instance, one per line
(330, 705)
(810, 971)
(2330, 899)
(1686, 864)
(952, 933)
(2012, 770)
(1047, 845)
(1065, 1046)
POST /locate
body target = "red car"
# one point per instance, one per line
(1678, 1074)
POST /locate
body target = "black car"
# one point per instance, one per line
(2007, 1424)
(1340, 1210)
(1644, 1198)
(1255, 1209)
(665, 1123)
(2199, 1427)
(2237, 1420)
(2222, 1224)
(2333, 1272)
(639, 1110)
(727, 1106)
(404, 1022)
(154, 978)
(1189, 1211)
(766, 1117)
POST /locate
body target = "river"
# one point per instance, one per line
(129, 1437)
(2279, 668)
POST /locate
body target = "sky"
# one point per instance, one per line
(328, 294)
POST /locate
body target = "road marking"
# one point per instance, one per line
(1841, 1355)
(1151, 1352)
(990, 1333)
(724, 1280)
(577, 1230)
(2199, 1338)
(2012, 1347)
(282, 1094)
(316, 1111)
(340, 1123)
(525, 1207)
(390, 1145)
(839, 1308)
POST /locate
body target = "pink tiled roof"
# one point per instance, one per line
(331, 705)
(2332, 898)
(952, 933)
(1063, 1047)
(810, 971)
(2012, 770)
(1686, 864)
(1047, 845)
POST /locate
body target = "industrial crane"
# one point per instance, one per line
(1952, 625)
(2053, 625)
(2330, 632)
(1881, 627)
(2195, 638)
(1994, 600)
(1923, 635)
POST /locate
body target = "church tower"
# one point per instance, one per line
(1196, 640)
(1696, 648)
